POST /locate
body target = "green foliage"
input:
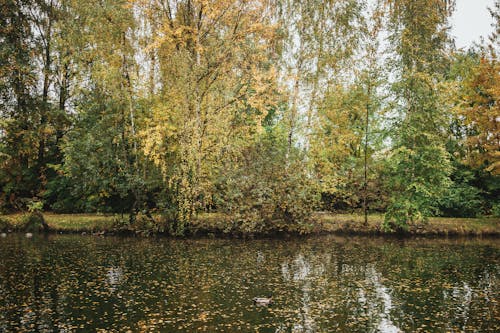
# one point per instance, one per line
(5, 225)
(33, 222)
(418, 178)
(262, 193)
(98, 161)
(495, 210)
(463, 198)
(419, 165)
(60, 197)
(35, 206)
(163, 111)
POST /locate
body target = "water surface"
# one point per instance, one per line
(325, 284)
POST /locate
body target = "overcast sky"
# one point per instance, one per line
(470, 21)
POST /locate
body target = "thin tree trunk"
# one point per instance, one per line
(45, 93)
(199, 120)
(365, 183)
(152, 57)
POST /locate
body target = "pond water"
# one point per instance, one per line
(327, 284)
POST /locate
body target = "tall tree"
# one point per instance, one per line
(319, 39)
(371, 78)
(419, 162)
(22, 110)
(33, 124)
(481, 108)
(102, 156)
(342, 142)
(217, 82)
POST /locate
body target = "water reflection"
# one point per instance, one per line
(67, 283)
(114, 276)
(383, 300)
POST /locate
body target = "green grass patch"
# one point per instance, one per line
(322, 222)
(80, 222)
(463, 226)
(354, 223)
(69, 222)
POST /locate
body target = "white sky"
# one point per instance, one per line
(470, 21)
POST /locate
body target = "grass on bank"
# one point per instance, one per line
(70, 222)
(354, 223)
(323, 222)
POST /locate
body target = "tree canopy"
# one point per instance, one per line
(261, 110)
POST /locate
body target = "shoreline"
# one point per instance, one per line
(212, 225)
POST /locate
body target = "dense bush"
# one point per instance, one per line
(143, 223)
(5, 225)
(462, 200)
(495, 210)
(269, 189)
(33, 222)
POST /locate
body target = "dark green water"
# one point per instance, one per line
(326, 284)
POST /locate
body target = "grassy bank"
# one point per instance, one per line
(351, 223)
(69, 222)
(322, 223)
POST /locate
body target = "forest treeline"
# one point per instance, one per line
(263, 110)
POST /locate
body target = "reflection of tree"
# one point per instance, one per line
(441, 284)
(114, 276)
(380, 303)
(391, 286)
(302, 270)
(326, 284)
(460, 298)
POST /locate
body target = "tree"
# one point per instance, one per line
(319, 41)
(18, 120)
(103, 159)
(371, 78)
(342, 143)
(217, 83)
(419, 164)
(480, 107)
(34, 117)
(474, 140)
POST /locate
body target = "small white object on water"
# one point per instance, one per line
(29, 235)
(3, 235)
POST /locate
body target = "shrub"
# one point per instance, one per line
(462, 200)
(269, 189)
(143, 223)
(33, 222)
(495, 210)
(5, 225)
